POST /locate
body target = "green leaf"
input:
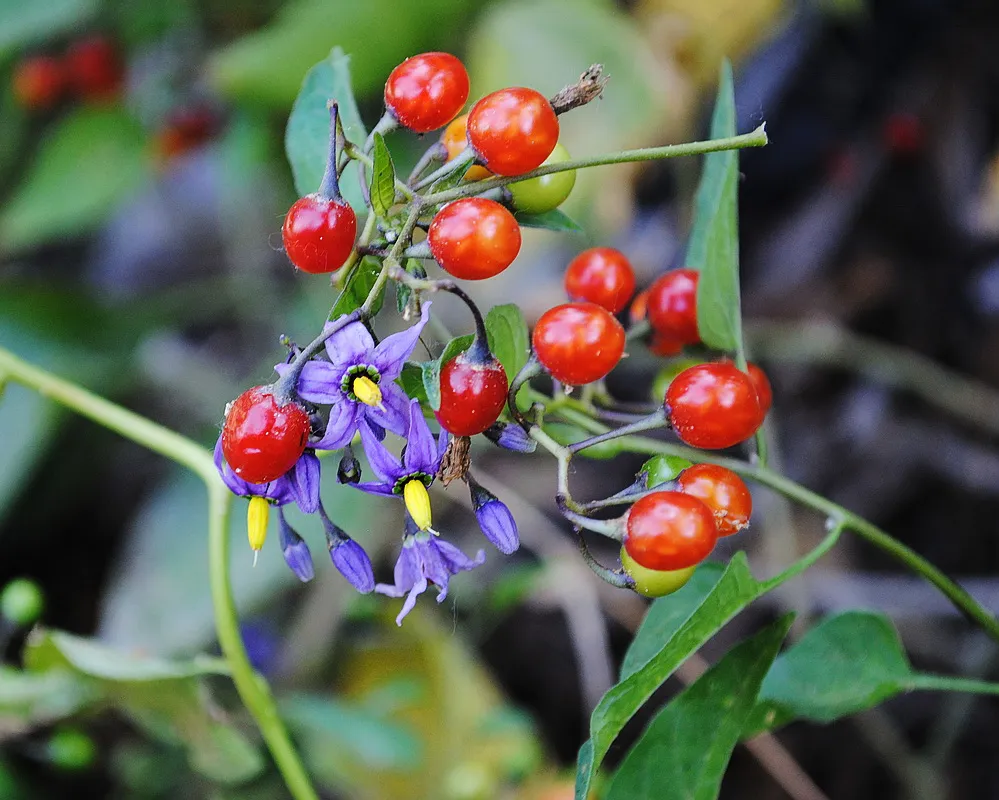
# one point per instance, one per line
(411, 381)
(734, 591)
(307, 137)
(432, 369)
(382, 178)
(508, 336)
(684, 751)
(553, 220)
(359, 286)
(23, 24)
(71, 186)
(28, 699)
(714, 238)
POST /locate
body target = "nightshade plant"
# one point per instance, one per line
(349, 392)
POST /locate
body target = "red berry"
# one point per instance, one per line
(318, 233)
(764, 393)
(474, 238)
(723, 492)
(262, 438)
(665, 346)
(472, 395)
(669, 531)
(185, 129)
(673, 305)
(39, 82)
(601, 275)
(578, 343)
(426, 91)
(94, 68)
(713, 405)
(513, 130)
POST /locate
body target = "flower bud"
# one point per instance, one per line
(494, 518)
(510, 437)
(349, 470)
(296, 551)
(353, 563)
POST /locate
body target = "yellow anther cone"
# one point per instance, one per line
(367, 391)
(256, 523)
(417, 503)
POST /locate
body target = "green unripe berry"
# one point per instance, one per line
(22, 602)
(71, 749)
(660, 469)
(546, 192)
(654, 582)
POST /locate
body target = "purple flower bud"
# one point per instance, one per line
(296, 551)
(495, 519)
(349, 557)
(510, 437)
(349, 470)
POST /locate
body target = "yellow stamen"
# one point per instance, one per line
(367, 391)
(256, 523)
(417, 502)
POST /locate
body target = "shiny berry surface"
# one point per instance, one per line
(673, 306)
(513, 130)
(425, 92)
(474, 238)
(655, 582)
(455, 140)
(722, 491)
(713, 406)
(546, 192)
(669, 531)
(262, 438)
(318, 233)
(764, 392)
(472, 395)
(601, 275)
(578, 343)
(39, 82)
(95, 69)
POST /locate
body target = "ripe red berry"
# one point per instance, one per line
(673, 306)
(39, 82)
(426, 91)
(474, 238)
(669, 531)
(185, 129)
(94, 68)
(722, 491)
(578, 343)
(472, 395)
(764, 392)
(318, 233)
(713, 405)
(601, 275)
(513, 130)
(261, 437)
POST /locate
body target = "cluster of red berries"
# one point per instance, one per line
(90, 69)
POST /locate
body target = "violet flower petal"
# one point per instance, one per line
(305, 482)
(353, 563)
(352, 344)
(421, 448)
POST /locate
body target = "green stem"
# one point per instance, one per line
(392, 259)
(253, 690)
(757, 138)
(354, 153)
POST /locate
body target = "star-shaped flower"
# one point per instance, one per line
(300, 484)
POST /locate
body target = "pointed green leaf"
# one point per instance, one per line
(449, 181)
(307, 137)
(359, 285)
(683, 753)
(382, 178)
(411, 381)
(553, 220)
(509, 338)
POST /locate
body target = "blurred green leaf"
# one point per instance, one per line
(553, 220)
(684, 751)
(508, 336)
(382, 178)
(22, 24)
(28, 699)
(87, 164)
(566, 433)
(307, 137)
(734, 591)
(714, 238)
(359, 285)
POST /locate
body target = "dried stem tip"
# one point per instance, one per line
(589, 87)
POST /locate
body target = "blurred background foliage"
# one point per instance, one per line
(139, 255)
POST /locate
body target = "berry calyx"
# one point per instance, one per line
(473, 394)
(655, 582)
(669, 531)
(672, 306)
(39, 82)
(545, 192)
(578, 343)
(513, 130)
(764, 392)
(263, 437)
(601, 275)
(455, 140)
(426, 91)
(713, 406)
(722, 491)
(318, 233)
(474, 238)
(94, 68)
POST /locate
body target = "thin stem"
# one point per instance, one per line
(386, 124)
(614, 577)
(654, 420)
(436, 152)
(365, 159)
(392, 259)
(342, 275)
(460, 161)
(757, 138)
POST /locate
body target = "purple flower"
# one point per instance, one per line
(412, 476)
(348, 556)
(299, 484)
(296, 551)
(358, 381)
(495, 519)
(425, 559)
